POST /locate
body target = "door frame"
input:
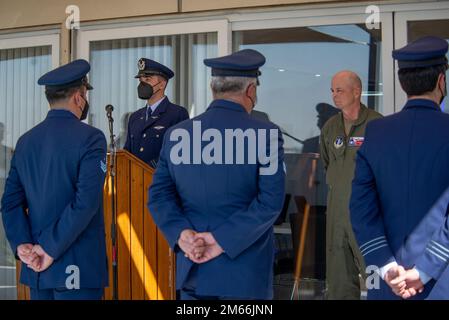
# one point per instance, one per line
(401, 36)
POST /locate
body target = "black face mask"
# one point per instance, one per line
(444, 93)
(85, 110)
(145, 91)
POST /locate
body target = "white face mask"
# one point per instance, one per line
(253, 102)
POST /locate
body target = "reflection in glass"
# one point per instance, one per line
(299, 68)
(294, 93)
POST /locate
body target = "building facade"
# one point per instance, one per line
(305, 43)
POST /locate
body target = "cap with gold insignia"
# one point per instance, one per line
(149, 67)
(70, 75)
(423, 52)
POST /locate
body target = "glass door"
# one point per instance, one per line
(410, 26)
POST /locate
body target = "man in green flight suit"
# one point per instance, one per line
(340, 139)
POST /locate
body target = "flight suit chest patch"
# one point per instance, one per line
(355, 141)
(339, 142)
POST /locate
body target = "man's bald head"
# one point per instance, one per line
(348, 77)
(346, 89)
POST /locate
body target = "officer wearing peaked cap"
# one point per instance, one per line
(401, 171)
(52, 205)
(218, 216)
(147, 126)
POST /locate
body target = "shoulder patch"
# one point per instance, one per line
(103, 166)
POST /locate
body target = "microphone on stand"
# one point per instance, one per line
(109, 108)
(112, 166)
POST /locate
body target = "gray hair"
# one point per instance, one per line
(222, 85)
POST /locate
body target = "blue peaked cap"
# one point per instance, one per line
(244, 63)
(423, 52)
(149, 67)
(72, 74)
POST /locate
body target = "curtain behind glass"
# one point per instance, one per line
(23, 105)
(114, 65)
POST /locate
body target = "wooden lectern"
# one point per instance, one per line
(146, 264)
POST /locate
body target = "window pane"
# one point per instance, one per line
(114, 65)
(299, 68)
(438, 28)
(23, 106)
(295, 83)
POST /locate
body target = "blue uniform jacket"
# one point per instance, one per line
(234, 202)
(429, 243)
(144, 138)
(57, 174)
(401, 170)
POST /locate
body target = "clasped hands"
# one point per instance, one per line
(34, 257)
(404, 283)
(200, 247)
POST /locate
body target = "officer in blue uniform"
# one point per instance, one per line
(215, 206)
(401, 170)
(147, 126)
(52, 205)
(430, 241)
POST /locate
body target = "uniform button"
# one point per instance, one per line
(157, 136)
(141, 149)
(144, 135)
